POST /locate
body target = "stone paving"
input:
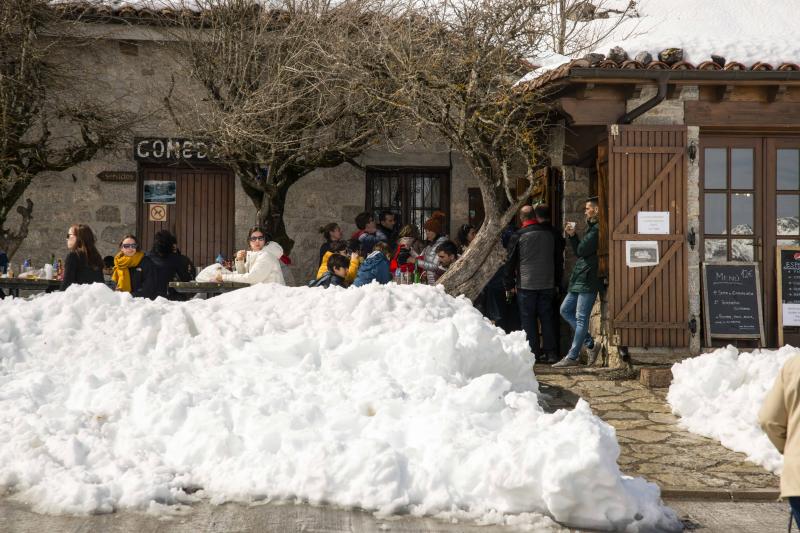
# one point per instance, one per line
(651, 443)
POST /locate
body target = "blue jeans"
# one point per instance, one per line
(575, 309)
(794, 504)
(536, 306)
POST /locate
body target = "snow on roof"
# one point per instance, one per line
(743, 31)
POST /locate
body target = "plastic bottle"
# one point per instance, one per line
(26, 265)
(54, 261)
(416, 275)
(398, 276)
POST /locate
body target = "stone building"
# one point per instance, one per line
(712, 148)
(130, 65)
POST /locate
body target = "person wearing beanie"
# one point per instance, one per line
(434, 234)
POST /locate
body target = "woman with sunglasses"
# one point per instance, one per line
(134, 271)
(261, 264)
(83, 263)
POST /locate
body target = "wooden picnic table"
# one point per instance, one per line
(14, 285)
(211, 288)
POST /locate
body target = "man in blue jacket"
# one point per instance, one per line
(583, 287)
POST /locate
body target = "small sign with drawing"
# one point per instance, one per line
(158, 212)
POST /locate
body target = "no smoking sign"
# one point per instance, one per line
(158, 212)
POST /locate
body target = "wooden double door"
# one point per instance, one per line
(198, 208)
(750, 204)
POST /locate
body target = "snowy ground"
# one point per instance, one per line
(718, 395)
(392, 399)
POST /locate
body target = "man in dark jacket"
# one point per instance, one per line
(583, 287)
(531, 271)
(168, 265)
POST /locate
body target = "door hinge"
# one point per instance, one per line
(693, 326)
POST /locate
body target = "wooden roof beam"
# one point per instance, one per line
(724, 92)
(777, 93)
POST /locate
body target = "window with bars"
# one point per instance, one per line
(413, 194)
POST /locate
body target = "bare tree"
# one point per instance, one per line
(282, 98)
(452, 70)
(36, 99)
(574, 27)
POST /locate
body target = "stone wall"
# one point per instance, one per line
(132, 69)
(339, 194)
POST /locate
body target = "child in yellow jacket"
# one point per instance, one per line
(341, 248)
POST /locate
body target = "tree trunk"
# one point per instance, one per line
(270, 217)
(10, 241)
(485, 254)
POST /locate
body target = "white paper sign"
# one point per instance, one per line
(791, 314)
(641, 253)
(652, 222)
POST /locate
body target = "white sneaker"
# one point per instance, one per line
(592, 353)
(565, 363)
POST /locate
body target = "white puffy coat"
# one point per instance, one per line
(263, 266)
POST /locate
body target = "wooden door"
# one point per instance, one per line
(781, 223)
(202, 217)
(649, 306)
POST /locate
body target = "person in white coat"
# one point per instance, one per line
(261, 264)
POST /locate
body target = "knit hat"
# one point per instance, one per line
(436, 223)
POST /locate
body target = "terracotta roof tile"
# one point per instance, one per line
(563, 71)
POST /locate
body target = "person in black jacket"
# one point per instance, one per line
(83, 263)
(531, 272)
(169, 265)
(134, 271)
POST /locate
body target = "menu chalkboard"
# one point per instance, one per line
(788, 270)
(732, 301)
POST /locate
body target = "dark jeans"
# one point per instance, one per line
(794, 504)
(537, 305)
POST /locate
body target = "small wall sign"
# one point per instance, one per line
(157, 212)
(652, 222)
(159, 192)
(167, 149)
(116, 175)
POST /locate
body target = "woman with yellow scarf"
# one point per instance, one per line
(134, 271)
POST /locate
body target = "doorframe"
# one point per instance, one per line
(764, 145)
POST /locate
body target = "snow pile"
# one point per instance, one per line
(746, 31)
(719, 394)
(393, 399)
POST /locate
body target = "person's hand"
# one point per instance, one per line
(569, 229)
(241, 255)
(411, 260)
(218, 277)
(354, 256)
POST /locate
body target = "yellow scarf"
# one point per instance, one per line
(122, 275)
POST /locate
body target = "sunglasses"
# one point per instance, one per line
(129, 246)
(255, 238)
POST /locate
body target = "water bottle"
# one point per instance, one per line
(55, 263)
(398, 276)
(26, 265)
(220, 258)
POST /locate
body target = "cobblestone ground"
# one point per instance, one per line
(651, 443)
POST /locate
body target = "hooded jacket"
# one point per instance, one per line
(584, 273)
(374, 267)
(263, 266)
